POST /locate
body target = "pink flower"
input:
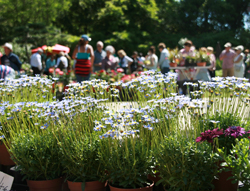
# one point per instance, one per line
(126, 78)
(120, 70)
(60, 73)
(57, 71)
(132, 75)
(248, 71)
(235, 131)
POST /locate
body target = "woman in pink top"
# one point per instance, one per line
(109, 62)
(188, 50)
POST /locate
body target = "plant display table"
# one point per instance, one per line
(190, 72)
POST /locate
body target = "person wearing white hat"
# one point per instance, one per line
(239, 66)
(227, 56)
(10, 59)
(36, 62)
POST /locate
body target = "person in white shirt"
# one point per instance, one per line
(239, 66)
(125, 61)
(164, 61)
(62, 62)
(152, 58)
(36, 62)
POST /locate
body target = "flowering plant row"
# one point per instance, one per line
(91, 135)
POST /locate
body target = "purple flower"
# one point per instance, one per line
(209, 135)
(235, 131)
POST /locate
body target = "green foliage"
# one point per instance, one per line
(80, 157)
(128, 161)
(238, 161)
(225, 120)
(185, 165)
(37, 155)
(218, 64)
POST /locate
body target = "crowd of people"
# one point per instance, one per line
(87, 60)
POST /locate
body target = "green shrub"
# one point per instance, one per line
(185, 165)
(37, 155)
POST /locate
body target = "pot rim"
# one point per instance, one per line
(150, 186)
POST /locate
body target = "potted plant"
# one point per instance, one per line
(5, 158)
(202, 58)
(128, 161)
(222, 142)
(37, 156)
(190, 61)
(173, 57)
(126, 147)
(239, 162)
(81, 160)
(184, 164)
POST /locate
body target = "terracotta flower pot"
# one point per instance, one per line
(202, 64)
(89, 186)
(148, 188)
(173, 64)
(155, 178)
(5, 156)
(46, 185)
(222, 184)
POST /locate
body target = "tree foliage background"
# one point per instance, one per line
(126, 24)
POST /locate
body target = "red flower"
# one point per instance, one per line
(102, 71)
(51, 70)
(209, 135)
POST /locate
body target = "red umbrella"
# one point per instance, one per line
(35, 50)
(60, 48)
(54, 49)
